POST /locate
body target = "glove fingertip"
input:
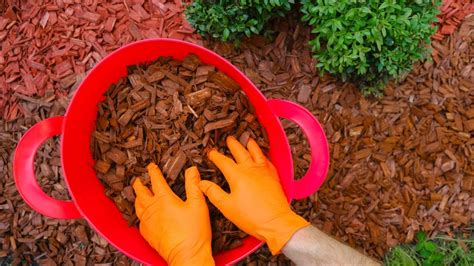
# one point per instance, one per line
(139, 188)
(136, 183)
(255, 151)
(230, 139)
(192, 178)
(192, 173)
(211, 153)
(152, 165)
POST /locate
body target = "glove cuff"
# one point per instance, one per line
(279, 231)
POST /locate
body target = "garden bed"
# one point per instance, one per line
(398, 164)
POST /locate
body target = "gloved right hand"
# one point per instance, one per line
(256, 203)
(179, 230)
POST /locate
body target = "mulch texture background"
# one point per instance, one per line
(399, 164)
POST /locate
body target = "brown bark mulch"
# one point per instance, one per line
(398, 164)
(171, 113)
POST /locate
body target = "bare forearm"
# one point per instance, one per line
(310, 246)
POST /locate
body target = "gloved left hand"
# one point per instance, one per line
(179, 230)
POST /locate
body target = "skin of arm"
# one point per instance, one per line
(310, 246)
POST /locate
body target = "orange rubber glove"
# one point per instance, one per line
(180, 231)
(257, 203)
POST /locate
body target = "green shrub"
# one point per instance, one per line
(233, 19)
(368, 42)
(363, 41)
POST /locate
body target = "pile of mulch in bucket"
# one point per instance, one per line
(171, 113)
(399, 164)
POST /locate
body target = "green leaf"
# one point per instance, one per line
(420, 236)
(358, 37)
(425, 253)
(430, 246)
(226, 34)
(384, 5)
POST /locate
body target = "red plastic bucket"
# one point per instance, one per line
(88, 197)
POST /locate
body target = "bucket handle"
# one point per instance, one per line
(319, 165)
(24, 173)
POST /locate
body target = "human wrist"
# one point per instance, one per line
(278, 231)
(311, 246)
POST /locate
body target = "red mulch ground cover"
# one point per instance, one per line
(452, 12)
(48, 46)
(399, 164)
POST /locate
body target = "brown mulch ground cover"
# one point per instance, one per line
(399, 164)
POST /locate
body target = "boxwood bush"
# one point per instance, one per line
(368, 42)
(233, 19)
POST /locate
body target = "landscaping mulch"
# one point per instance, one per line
(452, 12)
(48, 46)
(27, 237)
(46, 49)
(399, 164)
(171, 113)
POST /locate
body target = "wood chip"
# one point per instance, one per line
(218, 124)
(304, 93)
(117, 156)
(102, 166)
(224, 81)
(174, 165)
(191, 62)
(198, 98)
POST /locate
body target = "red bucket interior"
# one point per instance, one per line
(85, 188)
